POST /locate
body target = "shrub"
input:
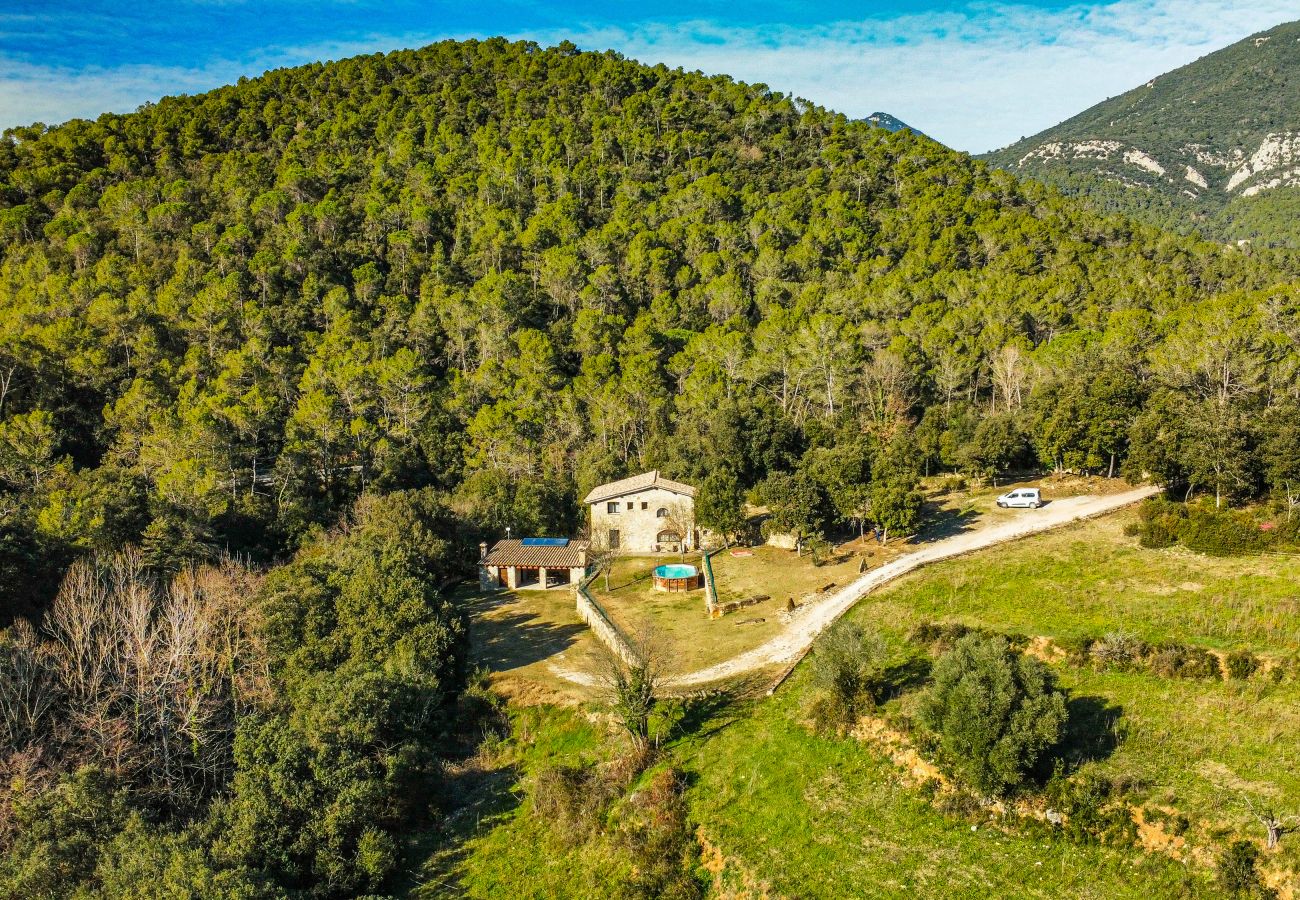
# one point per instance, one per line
(1119, 649)
(1094, 810)
(1221, 533)
(1241, 664)
(950, 483)
(1218, 532)
(1238, 874)
(657, 835)
(1182, 661)
(846, 667)
(994, 711)
(572, 799)
(943, 636)
(1157, 535)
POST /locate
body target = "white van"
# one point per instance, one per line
(1026, 498)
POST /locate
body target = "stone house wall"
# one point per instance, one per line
(638, 523)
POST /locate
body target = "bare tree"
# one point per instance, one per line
(603, 555)
(679, 520)
(1275, 826)
(1010, 374)
(885, 392)
(153, 676)
(27, 688)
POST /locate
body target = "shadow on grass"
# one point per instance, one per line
(700, 717)
(516, 639)
(1093, 731)
(901, 678)
(471, 802)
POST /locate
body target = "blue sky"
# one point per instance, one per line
(976, 75)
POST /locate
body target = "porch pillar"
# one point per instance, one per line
(541, 577)
(512, 577)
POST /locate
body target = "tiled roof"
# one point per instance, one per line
(513, 553)
(642, 482)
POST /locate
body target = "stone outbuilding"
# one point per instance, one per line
(646, 513)
(537, 563)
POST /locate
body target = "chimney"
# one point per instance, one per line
(482, 550)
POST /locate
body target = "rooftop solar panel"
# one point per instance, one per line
(545, 542)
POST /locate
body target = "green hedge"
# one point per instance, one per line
(1216, 532)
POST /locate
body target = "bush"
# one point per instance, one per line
(846, 668)
(1241, 664)
(1119, 649)
(1182, 661)
(657, 835)
(573, 799)
(1094, 810)
(951, 483)
(1238, 874)
(994, 711)
(943, 636)
(1217, 532)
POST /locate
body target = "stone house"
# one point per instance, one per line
(533, 563)
(646, 513)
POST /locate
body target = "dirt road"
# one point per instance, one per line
(812, 619)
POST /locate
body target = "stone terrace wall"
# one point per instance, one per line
(599, 622)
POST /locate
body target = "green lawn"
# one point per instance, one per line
(1091, 578)
(819, 817)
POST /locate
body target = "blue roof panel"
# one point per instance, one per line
(545, 542)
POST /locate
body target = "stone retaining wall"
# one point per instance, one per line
(599, 622)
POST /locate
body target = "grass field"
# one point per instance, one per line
(815, 817)
(1091, 578)
(793, 813)
(1201, 746)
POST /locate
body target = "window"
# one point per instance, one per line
(661, 513)
(630, 506)
(645, 505)
(613, 539)
(611, 507)
(668, 537)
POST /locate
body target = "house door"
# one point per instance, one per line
(613, 539)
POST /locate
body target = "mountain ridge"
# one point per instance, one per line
(1209, 145)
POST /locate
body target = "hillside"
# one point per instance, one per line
(319, 333)
(1213, 145)
(890, 123)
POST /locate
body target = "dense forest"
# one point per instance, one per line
(342, 321)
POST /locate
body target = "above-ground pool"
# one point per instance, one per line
(678, 577)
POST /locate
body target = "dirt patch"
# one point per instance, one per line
(895, 745)
(1155, 839)
(1045, 649)
(1228, 779)
(731, 881)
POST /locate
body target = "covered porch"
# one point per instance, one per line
(532, 564)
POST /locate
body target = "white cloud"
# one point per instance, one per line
(975, 79)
